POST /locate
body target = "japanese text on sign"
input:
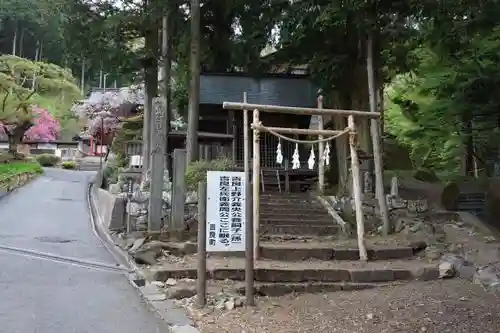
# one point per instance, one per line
(225, 211)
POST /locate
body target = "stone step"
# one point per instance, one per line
(295, 216)
(297, 250)
(273, 271)
(275, 289)
(296, 204)
(277, 197)
(287, 195)
(305, 251)
(312, 221)
(292, 209)
(278, 289)
(312, 230)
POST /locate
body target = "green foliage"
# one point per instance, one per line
(48, 160)
(110, 173)
(24, 83)
(131, 130)
(10, 170)
(447, 106)
(69, 165)
(411, 116)
(197, 171)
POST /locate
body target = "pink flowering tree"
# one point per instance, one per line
(104, 110)
(38, 124)
(22, 83)
(45, 127)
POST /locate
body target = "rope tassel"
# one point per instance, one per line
(296, 158)
(326, 154)
(312, 159)
(279, 154)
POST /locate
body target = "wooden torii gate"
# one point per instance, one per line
(321, 133)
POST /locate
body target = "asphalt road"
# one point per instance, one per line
(40, 295)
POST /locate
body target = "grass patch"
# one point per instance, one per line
(10, 170)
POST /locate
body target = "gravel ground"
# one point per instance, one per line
(440, 306)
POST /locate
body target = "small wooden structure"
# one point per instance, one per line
(35, 147)
(214, 145)
(276, 89)
(323, 136)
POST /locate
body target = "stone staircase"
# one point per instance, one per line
(88, 163)
(283, 214)
(279, 181)
(474, 203)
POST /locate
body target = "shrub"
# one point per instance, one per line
(110, 174)
(425, 175)
(69, 165)
(197, 171)
(450, 195)
(48, 160)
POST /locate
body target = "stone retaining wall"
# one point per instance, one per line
(110, 209)
(15, 182)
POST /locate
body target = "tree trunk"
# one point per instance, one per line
(167, 77)
(13, 143)
(194, 87)
(21, 43)
(82, 75)
(339, 170)
(40, 55)
(15, 135)
(381, 107)
(150, 66)
(37, 50)
(360, 101)
(14, 40)
(375, 137)
(469, 144)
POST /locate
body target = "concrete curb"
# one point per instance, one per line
(173, 316)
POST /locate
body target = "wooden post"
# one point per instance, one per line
(321, 147)
(360, 223)
(377, 153)
(178, 190)
(231, 129)
(256, 183)
(201, 286)
(249, 263)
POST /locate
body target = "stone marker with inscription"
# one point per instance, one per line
(157, 165)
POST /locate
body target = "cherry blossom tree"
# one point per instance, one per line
(45, 127)
(104, 110)
(23, 83)
(41, 126)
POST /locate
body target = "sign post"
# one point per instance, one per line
(226, 211)
(221, 221)
(201, 287)
(130, 192)
(249, 259)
